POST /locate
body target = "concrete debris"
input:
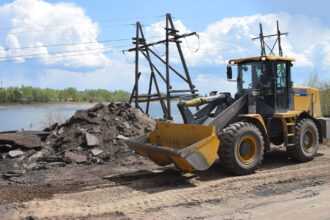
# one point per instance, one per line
(100, 126)
(35, 155)
(97, 129)
(30, 166)
(126, 124)
(95, 135)
(92, 140)
(122, 137)
(96, 151)
(15, 153)
(60, 131)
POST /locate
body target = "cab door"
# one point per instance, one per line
(282, 85)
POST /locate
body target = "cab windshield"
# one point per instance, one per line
(254, 75)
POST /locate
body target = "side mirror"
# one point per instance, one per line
(229, 72)
(213, 93)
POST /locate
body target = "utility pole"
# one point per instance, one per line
(277, 41)
(137, 63)
(280, 53)
(141, 47)
(168, 92)
(262, 42)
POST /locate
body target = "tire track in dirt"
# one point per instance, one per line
(133, 197)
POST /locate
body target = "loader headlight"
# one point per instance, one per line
(255, 92)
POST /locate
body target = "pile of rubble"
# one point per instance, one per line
(96, 135)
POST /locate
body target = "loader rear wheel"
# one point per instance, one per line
(241, 148)
(306, 141)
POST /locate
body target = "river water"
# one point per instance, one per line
(36, 118)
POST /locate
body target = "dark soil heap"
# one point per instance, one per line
(96, 135)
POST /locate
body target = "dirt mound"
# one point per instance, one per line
(95, 135)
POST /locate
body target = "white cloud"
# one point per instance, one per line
(308, 40)
(35, 23)
(31, 24)
(326, 50)
(206, 83)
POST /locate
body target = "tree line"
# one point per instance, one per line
(29, 94)
(324, 89)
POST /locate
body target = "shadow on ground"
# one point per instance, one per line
(169, 178)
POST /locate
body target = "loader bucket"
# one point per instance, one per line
(189, 147)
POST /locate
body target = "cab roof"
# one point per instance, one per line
(260, 58)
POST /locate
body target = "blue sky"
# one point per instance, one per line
(225, 29)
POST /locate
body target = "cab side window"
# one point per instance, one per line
(281, 75)
(282, 85)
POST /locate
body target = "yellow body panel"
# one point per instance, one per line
(260, 58)
(188, 146)
(288, 114)
(256, 116)
(307, 99)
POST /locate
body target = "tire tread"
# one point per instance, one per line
(226, 150)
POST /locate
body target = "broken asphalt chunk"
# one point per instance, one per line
(53, 159)
(24, 139)
(78, 158)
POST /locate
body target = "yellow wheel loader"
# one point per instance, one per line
(266, 109)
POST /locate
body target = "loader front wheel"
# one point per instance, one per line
(241, 148)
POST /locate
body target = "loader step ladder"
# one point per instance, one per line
(289, 131)
(288, 122)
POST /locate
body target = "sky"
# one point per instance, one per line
(60, 44)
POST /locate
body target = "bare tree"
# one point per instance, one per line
(50, 118)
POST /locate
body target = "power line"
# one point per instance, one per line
(64, 44)
(197, 19)
(26, 56)
(68, 44)
(206, 49)
(199, 45)
(71, 55)
(216, 39)
(60, 52)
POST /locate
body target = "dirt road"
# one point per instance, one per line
(280, 189)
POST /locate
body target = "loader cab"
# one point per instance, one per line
(269, 79)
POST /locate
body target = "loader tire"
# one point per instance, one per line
(306, 141)
(241, 148)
